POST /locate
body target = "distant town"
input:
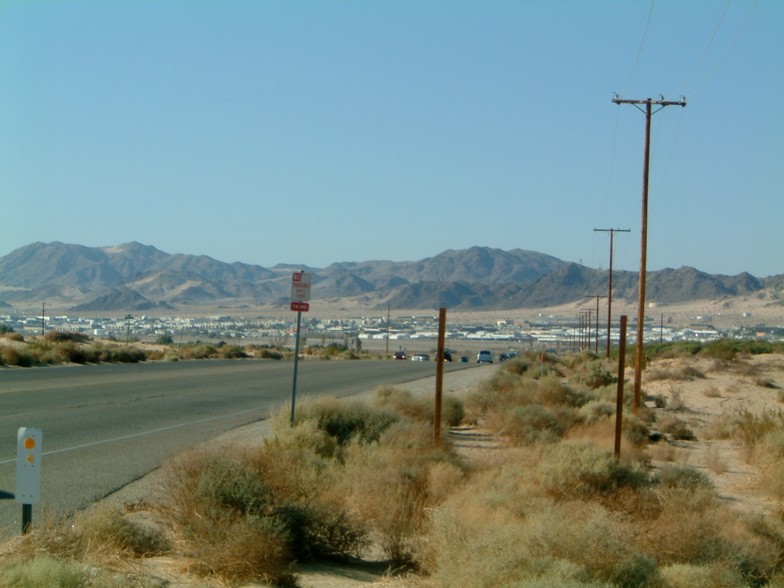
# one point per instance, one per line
(547, 332)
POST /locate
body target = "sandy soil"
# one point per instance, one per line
(754, 384)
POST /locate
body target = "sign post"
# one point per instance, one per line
(29, 443)
(300, 295)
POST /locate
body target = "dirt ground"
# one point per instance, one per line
(697, 392)
(754, 383)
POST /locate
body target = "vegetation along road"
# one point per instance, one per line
(107, 425)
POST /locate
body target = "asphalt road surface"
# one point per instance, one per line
(105, 426)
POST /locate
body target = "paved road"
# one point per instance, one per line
(107, 425)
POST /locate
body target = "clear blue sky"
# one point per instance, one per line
(315, 132)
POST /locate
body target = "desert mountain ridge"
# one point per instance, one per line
(137, 277)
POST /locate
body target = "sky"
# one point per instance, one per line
(313, 132)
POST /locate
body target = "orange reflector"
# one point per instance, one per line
(29, 443)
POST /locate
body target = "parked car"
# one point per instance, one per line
(421, 357)
(484, 356)
(447, 355)
(399, 355)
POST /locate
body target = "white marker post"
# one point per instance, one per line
(300, 295)
(29, 445)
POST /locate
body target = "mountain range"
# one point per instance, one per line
(137, 277)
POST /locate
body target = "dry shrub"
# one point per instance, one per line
(596, 410)
(473, 543)
(768, 455)
(392, 485)
(44, 570)
(248, 514)
(712, 392)
(526, 425)
(708, 575)
(676, 428)
(12, 356)
(422, 408)
(693, 527)
(683, 373)
(713, 460)
(579, 470)
(595, 375)
(85, 550)
(750, 428)
(333, 424)
(99, 535)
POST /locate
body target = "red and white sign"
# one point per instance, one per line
(300, 306)
(300, 286)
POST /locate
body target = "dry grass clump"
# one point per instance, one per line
(89, 549)
(392, 486)
(419, 408)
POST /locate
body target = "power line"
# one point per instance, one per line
(727, 52)
(705, 51)
(642, 45)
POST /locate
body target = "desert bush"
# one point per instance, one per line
(99, 534)
(595, 375)
(16, 357)
(345, 421)
(244, 522)
(552, 391)
(197, 351)
(517, 366)
(596, 410)
(635, 429)
(269, 354)
(749, 428)
(13, 336)
(45, 570)
(676, 428)
(422, 409)
(61, 337)
(577, 469)
(710, 575)
(680, 476)
(679, 373)
(231, 352)
(525, 425)
(394, 484)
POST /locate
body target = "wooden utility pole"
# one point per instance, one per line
(609, 288)
(439, 376)
(619, 391)
(596, 347)
(639, 358)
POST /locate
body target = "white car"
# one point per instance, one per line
(484, 356)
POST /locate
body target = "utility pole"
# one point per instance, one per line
(43, 318)
(609, 288)
(596, 347)
(638, 349)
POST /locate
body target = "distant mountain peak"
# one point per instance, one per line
(135, 276)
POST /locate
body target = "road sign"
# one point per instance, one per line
(300, 306)
(28, 465)
(300, 286)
